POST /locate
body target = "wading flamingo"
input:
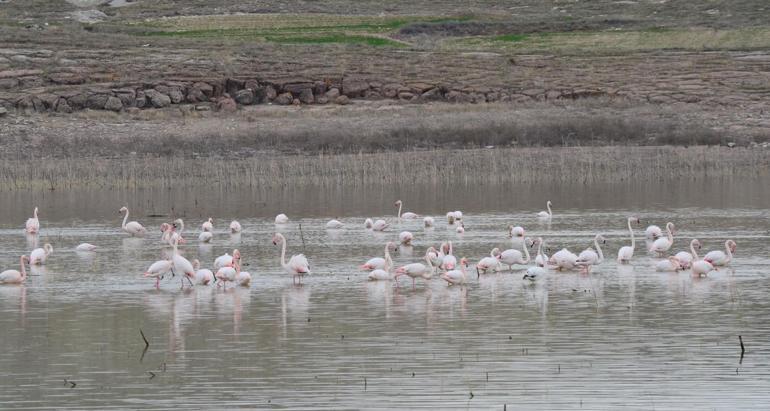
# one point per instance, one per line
(33, 224)
(669, 264)
(132, 227)
(379, 263)
(158, 269)
(626, 253)
(39, 255)
(242, 278)
(281, 219)
(406, 215)
(203, 276)
(181, 264)
(436, 257)
(208, 225)
(701, 267)
(563, 259)
(13, 276)
(85, 247)
(721, 258)
(653, 232)
(589, 258)
(226, 274)
(546, 215)
(461, 228)
(368, 223)
(177, 235)
(450, 217)
(449, 262)
(205, 236)
(428, 221)
(541, 260)
(223, 260)
(491, 262)
(415, 270)
(297, 266)
(380, 225)
(537, 271)
(334, 224)
(383, 274)
(235, 227)
(457, 277)
(516, 232)
(512, 257)
(405, 238)
(661, 245)
(685, 258)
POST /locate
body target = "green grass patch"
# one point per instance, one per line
(335, 39)
(512, 37)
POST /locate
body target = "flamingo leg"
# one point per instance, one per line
(157, 283)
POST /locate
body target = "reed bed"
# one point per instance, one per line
(581, 165)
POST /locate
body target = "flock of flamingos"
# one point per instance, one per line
(441, 260)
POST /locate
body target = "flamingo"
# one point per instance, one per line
(166, 231)
(379, 263)
(449, 261)
(39, 255)
(669, 264)
(226, 274)
(701, 267)
(334, 224)
(406, 215)
(436, 257)
(178, 223)
(405, 237)
(205, 236)
(33, 224)
(369, 223)
(242, 278)
(511, 257)
(653, 232)
(537, 271)
(541, 260)
(235, 227)
(589, 258)
(380, 225)
(488, 263)
(182, 264)
(515, 232)
(458, 215)
(720, 258)
(208, 225)
(415, 270)
(379, 275)
(281, 219)
(223, 260)
(661, 245)
(563, 259)
(85, 247)
(461, 228)
(450, 217)
(685, 258)
(546, 215)
(132, 227)
(158, 269)
(626, 253)
(457, 277)
(13, 276)
(428, 222)
(298, 265)
(203, 276)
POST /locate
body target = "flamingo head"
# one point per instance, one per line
(392, 246)
(464, 262)
(276, 239)
(602, 239)
(638, 221)
(236, 255)
(123, 210)
(495, 252)
(398, 203)
(164, 227)
(733, 246)
(25, 258)
(696, 244)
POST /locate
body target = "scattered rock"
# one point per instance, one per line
(97, 101)
(342, 100)
(88, 16)
(391, 90)
(353, 87)
(306, 96)
(296, 102)
(322, 100)
(244, 97)
(297, 88)
(270, 93)
(62, 106)
(319, 89)
(157, 99)
(226, 104)
(405, 95)
(433, 94)
(8, 83)
(233, 86)
(127, 97)
(3, 111)
(455, 96)
(66, 78)
(113, 104)
(284, 99)
(202, 108)
(141, 99)
(332, 94)
(176, 95)
(77, 101)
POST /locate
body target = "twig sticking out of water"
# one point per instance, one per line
(364, 383)
(743, 349)
(302, 237)
(146, 345)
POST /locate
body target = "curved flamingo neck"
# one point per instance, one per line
(692, 250)
(526, 251)
(23, 268)
(631, 230)
(35, 213)
(174, 242)
(181, 226)
(450, 248)
(541, 252)
(598, 249)
(125, 218)
(400, 204)
(539, 245)
(388, 259)
(548, 206)
(283, 249)
(670, 234)
(729, 251)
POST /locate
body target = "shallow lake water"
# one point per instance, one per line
(623, 337)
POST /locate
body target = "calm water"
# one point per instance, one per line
(623, 337)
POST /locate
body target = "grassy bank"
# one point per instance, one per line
(578, 165)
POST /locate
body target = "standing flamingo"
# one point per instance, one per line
(546, 215)
(491, 262)
(436, 257)
(661, 245)
(281, 219)
(334, 224)
(512, 257)
(383, 273)
(626, 253)
(158, 269)
(203, 276)
(205, 236)
(298, 265)
(177, 235)
(427, 221)
(13, 276)
(537, 271)
(406, 215)
(449, 262)
(701, 267)
(380, 263)
(685, 258)
(242, 278)
(589, 258)
(132, 227)
(380, 225)
(720, 258)
(208, 225)
(415, 270)
(653, 232)
(515, 232)
(461, 228)
(235, 227)
(457, 277)
(405, 238)
(182, 264)
(223, 260)
(563, 259)
(86, 247)
(33, 224)
(39, 255)
(669, 264)
(541, 259)
(368, 223)
(226, 274)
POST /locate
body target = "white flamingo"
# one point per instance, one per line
(458, 215)
(380, 225)
(415, 270)
(563, 259)
(334, 224)
(461, 228)
(490, 262)
(33, 224)
(132, 227)
(235, 227)
(719, 257)
(205, 236)
(701, 267)
(457, 277)
(428, 221)
(450, 217)
(537, 271)
(181, 264)
(158, 269)
(281, 219)
(661, 245)
(513, 257)
(369, 223)
(225, 275)
(405, 238)
(406, 215)
(224, 260)
(436, 257)
(515, 232)
(669, 264)
(546, 215)
(85, 247)
(13, 276)
(380, 263)
(685, 258)
(177, 235)
(297, 266)
(242, 278)
(541, 259)
(626, 253)
(449, 262)
(383, 274)
(589, 258)
(208, 225)
(203, 276)
(39, 255)
(653, 232)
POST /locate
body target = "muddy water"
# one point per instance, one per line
(623, 336)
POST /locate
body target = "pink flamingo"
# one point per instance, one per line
(202, 275)
(405, 237)
(182, 264)
(158, 269)
(235, 227)
(415, 270)
(457, 277)
(33, 224)
(228, 272)
(298, 265)
(13, 276)
(379, 263)
(243, 278)
(406, 215)
(39, 255)
(132, 227)
(208, 225)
